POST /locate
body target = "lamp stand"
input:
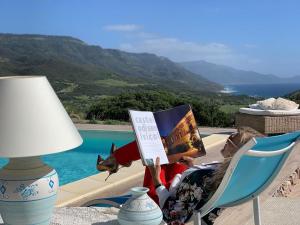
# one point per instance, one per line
(28, 190)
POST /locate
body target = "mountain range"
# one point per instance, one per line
(75, 68)
(226, 75)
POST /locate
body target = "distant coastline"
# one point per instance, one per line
(228, 90)
(261, 90)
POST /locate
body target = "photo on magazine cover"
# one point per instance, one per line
(179, 133)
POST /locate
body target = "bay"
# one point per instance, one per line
(262, 90)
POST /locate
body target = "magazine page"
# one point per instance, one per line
(179, 132)
(148, 137)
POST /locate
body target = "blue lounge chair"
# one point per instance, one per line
(250, 172)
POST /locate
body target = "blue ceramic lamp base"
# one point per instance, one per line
(28, 190)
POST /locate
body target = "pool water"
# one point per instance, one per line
(81, 162)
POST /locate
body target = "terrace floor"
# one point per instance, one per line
(274, 211)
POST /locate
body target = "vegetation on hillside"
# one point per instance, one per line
(207, 111)
(294, 96)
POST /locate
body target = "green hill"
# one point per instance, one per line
(225, 75)
(75, 68)
(294, 96)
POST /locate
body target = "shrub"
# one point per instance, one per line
(207, 112)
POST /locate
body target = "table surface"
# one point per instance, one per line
(84, 216)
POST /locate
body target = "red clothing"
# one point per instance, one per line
(130, 152)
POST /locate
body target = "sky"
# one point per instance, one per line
(257, 35)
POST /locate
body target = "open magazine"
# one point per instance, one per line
(168, 134)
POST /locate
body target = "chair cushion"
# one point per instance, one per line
(275, 104)
(284, 104)
(266, 104)
(270, 112)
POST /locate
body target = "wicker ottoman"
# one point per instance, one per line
(269, 124)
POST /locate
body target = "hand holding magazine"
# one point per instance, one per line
(168, 134)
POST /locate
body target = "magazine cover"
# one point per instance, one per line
(148, 138)
(179, 133)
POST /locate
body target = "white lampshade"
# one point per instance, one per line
(33, 121)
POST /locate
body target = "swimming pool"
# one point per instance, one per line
(81, 162)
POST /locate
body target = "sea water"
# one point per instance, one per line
(262, 90)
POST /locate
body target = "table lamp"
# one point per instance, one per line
(33, 122)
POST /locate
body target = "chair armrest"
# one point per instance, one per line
(257, 153)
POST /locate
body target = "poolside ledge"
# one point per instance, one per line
(79, 192)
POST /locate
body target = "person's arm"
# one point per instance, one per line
(161, 191)
(187, 160)
(163, 194)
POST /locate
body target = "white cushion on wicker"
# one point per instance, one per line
(269, 112)
(266, 104)
(284, 104)
(254, 106)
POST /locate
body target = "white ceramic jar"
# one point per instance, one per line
(140, 209)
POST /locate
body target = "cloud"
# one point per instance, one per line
(250, 45)
(145, 35)
(122, 27)
(179, 50)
